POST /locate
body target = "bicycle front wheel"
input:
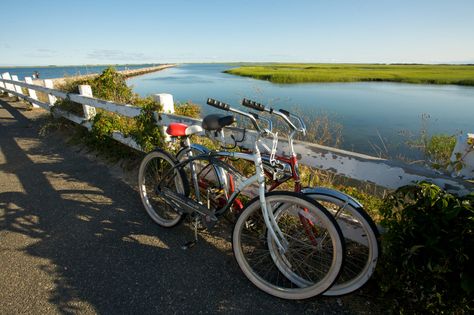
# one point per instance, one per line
(315, 252)
(154, 167)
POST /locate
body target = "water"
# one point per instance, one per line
(59, 72)
(364, 109)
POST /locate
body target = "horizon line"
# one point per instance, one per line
(454, 63)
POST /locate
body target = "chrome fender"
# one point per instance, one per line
(333, 193)
(221, 173)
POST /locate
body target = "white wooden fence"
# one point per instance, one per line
(382, 172)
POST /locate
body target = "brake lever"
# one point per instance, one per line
(300, 120)
(265, 119)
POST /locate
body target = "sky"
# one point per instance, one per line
(108, 32)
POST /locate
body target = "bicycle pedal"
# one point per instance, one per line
(209, 221)
(188, 245)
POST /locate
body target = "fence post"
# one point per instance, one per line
(166, 100)
(464, 152)
(89, 111)
(8, 86)
(17, 87)
(31, 92)
(49, 84)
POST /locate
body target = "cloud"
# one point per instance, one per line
(41, 53)
(113, 54)
(45, 50)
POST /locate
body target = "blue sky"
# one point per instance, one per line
(98, 32)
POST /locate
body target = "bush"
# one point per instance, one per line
(111, 85)
(439, 149)
(427, 259)
(188, 109)
(146, 132)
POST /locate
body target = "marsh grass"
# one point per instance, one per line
(406, 73)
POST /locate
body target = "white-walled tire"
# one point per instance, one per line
(152, 168)
(323, 257)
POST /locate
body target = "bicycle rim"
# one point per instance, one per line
(319, 266)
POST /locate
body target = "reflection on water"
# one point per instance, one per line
(189, 79)
(364, 109)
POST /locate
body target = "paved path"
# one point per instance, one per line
(74, 238)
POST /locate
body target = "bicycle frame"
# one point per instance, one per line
(259, 177)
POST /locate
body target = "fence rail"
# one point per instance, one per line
(361, 167)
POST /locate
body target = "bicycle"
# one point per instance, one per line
(360, 232)
(170, 190)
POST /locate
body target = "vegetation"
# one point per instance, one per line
(188, 109)
(110, 85)
(426, 266)
(407, 73)
(436, 149)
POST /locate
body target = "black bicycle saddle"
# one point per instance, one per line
(217, 121)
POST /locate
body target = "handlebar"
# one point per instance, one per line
(226, 107)
(254, 105)
(284, 114)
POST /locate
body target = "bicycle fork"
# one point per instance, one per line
(267, 211)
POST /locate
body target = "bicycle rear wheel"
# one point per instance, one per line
(153, 169)
(360, 236)
(315, 251)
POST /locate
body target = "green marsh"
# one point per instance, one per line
(406, 73)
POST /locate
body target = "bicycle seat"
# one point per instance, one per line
(181, 130)
(217, 121)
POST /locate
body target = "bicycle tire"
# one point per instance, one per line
(361, 238)
(152, 167)
(269, 277)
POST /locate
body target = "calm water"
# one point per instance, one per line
(59, 72)
(364, 109)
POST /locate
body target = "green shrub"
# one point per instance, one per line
(111, 85)
(436, 149)
(146, 132)
(188, 109)
(439, 149)
(99, 137)
(428, 255)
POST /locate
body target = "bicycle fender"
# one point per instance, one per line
(333, 193)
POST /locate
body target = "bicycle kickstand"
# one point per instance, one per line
(191, 244)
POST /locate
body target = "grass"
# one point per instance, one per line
(406, 73)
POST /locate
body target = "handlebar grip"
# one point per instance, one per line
(218, 104)
(253, 105)
(284, 112)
